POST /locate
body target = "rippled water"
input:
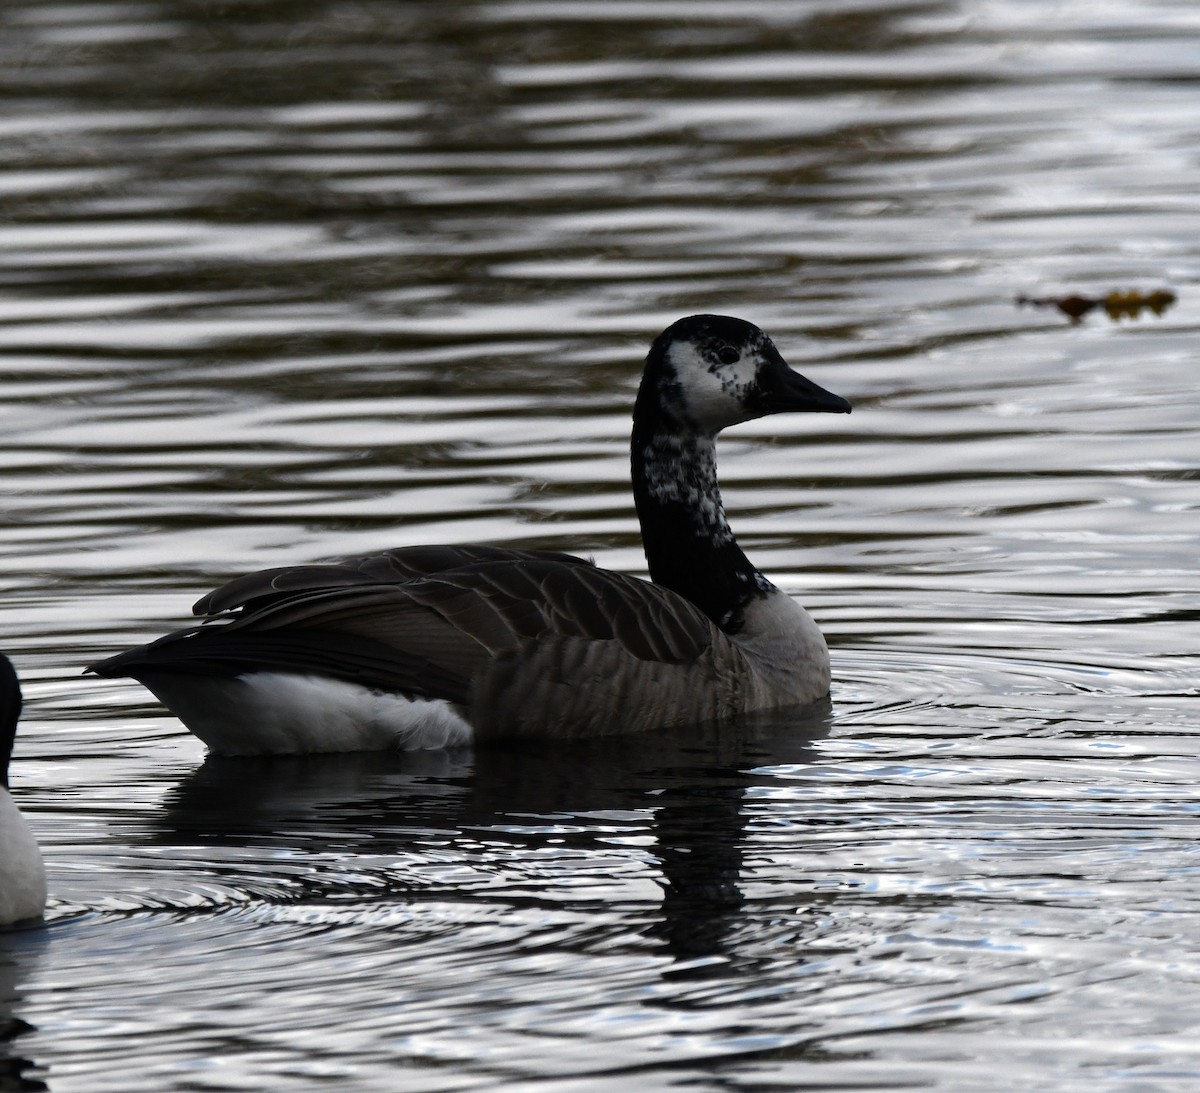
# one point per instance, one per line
(283, 282)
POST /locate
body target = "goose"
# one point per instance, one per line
(442, 646)
(22, 872)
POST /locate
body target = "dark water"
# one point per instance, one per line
(287, 281)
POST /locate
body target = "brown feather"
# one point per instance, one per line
(521, 624)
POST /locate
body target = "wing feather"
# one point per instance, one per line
(396, 566)
(527, 618)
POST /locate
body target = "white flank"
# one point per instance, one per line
(275, 713)
(22, 873)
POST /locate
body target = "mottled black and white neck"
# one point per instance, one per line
(703, 374)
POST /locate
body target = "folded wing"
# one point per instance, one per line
(515, 638)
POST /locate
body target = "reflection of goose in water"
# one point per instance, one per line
(445, 825)
(22, 872)
(20, 953)
(431, 646)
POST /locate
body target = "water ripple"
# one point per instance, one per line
(288, 285)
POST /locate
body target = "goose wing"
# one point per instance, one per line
(501, 607)
(519, 642)
(255, 590)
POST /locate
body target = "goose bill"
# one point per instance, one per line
(787, 391)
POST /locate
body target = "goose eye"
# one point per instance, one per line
(728, 355)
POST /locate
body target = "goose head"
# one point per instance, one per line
(707, 372)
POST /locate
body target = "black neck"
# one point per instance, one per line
(689, 545)
(10, 710)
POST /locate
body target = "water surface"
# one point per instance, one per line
(282, 283)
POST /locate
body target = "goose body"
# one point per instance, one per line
(435, 646)
(22, 873)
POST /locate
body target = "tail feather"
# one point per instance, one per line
(224, 651)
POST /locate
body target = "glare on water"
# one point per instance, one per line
(284, 284)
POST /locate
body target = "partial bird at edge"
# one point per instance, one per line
(22, 871)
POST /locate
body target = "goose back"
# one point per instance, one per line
(520, 645)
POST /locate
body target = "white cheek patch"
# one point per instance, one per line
(714, 396)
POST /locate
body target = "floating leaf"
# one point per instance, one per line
(1118, 305)
(1121, 305)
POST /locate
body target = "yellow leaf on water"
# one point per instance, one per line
(1117, 304)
